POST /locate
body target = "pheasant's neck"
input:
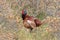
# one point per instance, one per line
(23, 16)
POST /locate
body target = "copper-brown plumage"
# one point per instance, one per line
(29, 21)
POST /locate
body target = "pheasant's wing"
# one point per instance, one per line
(31, 23)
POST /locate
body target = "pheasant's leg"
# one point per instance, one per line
(31, 29)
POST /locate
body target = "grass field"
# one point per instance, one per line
(11, 23)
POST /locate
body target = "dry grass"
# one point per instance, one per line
(11, 26)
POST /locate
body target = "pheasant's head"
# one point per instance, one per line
(24, 13)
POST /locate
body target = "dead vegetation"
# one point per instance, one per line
(11, 26)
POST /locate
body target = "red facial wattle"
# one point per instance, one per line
(22, 11)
